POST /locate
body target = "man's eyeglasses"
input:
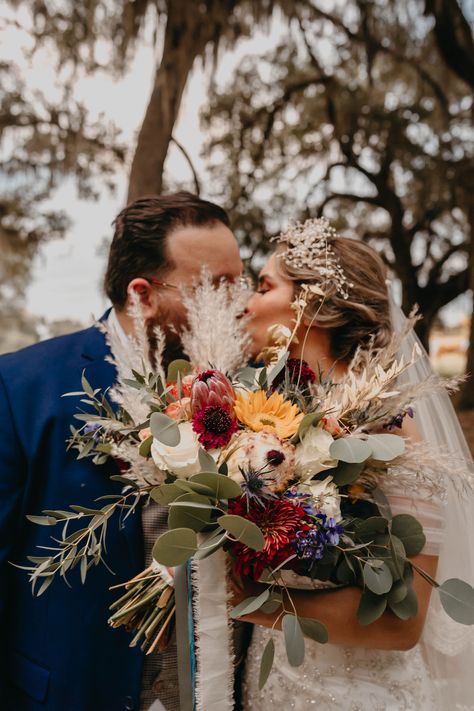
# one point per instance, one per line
(245, 282)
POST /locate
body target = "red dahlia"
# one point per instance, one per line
(215, 426)
(279, 520)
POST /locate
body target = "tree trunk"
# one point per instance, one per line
(466, 397)
(186, 36)
(453, 36)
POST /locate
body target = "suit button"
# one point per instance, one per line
(129, 706)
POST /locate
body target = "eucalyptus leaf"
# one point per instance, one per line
(222, 486)
(457, 599)
(249, 605)
(410, 532)
(274, 370)
(352, 450)
(243, 530)
(247, 375)
(145, 447)
(314, 629)
(378, 579)
(165, 493)
(386, 447)
(370, 527)
(210, 544)
(262, 379)
(345, 473)
(345, 572)
(312, 419)
(371, 607)
(223, 468)
(294, 640)
(266, 663)
(188, 517)
(398, 592)
(187, 485)
(164, 429)
(382, 503)
(407, 607)
(178, 366)
(207, 461)
(175, 547)
(272, 605)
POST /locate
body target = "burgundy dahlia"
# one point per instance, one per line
(215, 426)
(280, 521)
(299, 373)
(212, 388)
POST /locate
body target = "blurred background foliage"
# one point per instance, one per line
(363, 113)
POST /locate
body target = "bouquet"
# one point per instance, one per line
(277, 472)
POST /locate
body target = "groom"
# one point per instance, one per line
(57, 651)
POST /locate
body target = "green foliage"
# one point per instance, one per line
(75, 545)
(175, 547)
(250, 604)
(294, 640)
(457, 598)
(266, 663)
(352, 450)
(362, 120)
(243, 530)
(164, 429)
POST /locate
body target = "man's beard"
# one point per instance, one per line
(173, 347)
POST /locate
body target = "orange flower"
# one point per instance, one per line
(179, 410)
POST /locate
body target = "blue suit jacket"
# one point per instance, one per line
(57, 651)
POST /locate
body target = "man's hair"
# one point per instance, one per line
(139, 244)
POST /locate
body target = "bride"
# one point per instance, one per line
(423, 663)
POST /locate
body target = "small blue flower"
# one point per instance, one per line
(91, 427)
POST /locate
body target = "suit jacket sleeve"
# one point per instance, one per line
(12, 475)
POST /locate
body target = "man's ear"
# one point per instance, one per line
(147, 294)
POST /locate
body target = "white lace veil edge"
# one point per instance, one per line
(447, 645)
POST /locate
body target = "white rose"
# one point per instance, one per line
(325, 495)
(312, 454)
(182, 460)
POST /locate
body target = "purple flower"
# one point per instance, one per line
(310, 545)
(91, 427)
(256, 485)
(397, 420)
(333, 531)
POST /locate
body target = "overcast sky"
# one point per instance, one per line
(68, 273)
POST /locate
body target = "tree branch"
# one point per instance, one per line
(197, 184)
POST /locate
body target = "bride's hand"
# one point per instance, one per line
(241, 589)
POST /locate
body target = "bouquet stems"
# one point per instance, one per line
(147, 608)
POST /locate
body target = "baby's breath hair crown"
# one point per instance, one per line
(308, 247)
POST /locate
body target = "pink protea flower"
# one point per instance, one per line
(212, 389)
(215, 426)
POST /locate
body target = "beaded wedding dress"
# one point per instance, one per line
(438, 673)
(348, 679)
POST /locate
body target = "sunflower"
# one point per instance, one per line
(273, 414)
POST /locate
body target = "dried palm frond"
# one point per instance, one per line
(215, 335)
(133, 353)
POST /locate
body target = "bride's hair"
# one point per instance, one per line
(364, 314)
